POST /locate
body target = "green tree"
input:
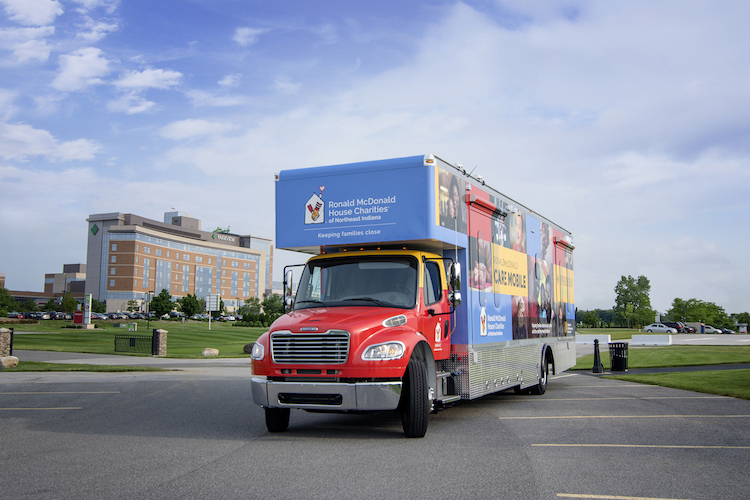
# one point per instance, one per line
(742, 318)
(694, 310)
(7, 303)
(27, 305)
(133, 306)
(591, 319)
(98, 306)
(51, 305)
(273, 306)
(633, 291)
(251, 307)
(189, 305)
(68, 303)
(162, 303)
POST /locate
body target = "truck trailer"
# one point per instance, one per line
(384, 319)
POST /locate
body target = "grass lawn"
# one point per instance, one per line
(733, 383)
(31, 366)
(674, 355)
(183, 340)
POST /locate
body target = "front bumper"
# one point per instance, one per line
(326, 396)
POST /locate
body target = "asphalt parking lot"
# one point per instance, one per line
(195, 433)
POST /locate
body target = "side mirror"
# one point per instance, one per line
(455, 298)
(288, 299)
(456, 277)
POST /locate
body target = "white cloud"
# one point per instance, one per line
(286, 86)
(32, 12)
(96, 30)
(149, 78)
(131, 103)
(20, 141)
(190, 128)
(108, 5)
(247, 36)
(80, 69)
(7, 108)
(231, 80)
(203, 98)
(27, 44)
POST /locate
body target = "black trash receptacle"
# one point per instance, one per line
(618, 356)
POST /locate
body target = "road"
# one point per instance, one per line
(195, 433)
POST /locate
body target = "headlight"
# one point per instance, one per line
(382, 352)
(257, 352)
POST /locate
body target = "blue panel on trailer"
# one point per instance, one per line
(358, 203)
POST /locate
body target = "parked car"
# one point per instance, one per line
(676, 325)
(710, 329)
(688, 329)
(727, 330)
(659, 328)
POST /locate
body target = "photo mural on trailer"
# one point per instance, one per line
(522, 279)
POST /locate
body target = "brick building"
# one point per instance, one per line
(129, 256)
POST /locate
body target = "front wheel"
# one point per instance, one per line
(415, 403)
(277, 419)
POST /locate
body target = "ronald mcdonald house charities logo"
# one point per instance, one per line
(315, 208)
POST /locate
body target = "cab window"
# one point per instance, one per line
(433, 291)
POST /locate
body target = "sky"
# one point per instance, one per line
(625, 122)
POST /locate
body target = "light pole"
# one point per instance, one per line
(148, 310)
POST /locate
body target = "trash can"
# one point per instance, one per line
(618, 356)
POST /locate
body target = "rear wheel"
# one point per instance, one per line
(277, 419)
(415, 404)
(541, 387)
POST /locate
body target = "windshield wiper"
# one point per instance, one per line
(370, 299)
(308, 302)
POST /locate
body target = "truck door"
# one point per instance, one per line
(435, 324)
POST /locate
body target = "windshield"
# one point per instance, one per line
(359, 280)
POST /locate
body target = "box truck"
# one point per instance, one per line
(425, 287)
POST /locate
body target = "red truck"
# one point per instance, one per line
(378, 321)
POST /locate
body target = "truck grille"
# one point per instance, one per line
(330, 348)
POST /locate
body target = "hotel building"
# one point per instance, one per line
(129, 256)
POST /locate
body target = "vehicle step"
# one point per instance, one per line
(450, 399)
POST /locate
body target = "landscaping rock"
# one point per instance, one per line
(8, 362)
(249, 348)
(210, 352)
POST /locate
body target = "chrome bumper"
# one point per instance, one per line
(326, 396)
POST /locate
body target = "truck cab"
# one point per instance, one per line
(364, 332)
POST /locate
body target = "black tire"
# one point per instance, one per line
(277, 419)
(541, 387)
(415, 404)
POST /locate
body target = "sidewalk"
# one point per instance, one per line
(115, 360)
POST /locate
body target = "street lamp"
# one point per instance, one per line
(148, 311)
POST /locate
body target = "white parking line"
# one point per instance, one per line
(610, 497)
(36, 409)
(559, 417)
(666, 446)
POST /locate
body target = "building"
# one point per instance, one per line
(71, 280)
(56, 285)
(129, 256)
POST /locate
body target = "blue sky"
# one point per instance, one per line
(626, 122)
